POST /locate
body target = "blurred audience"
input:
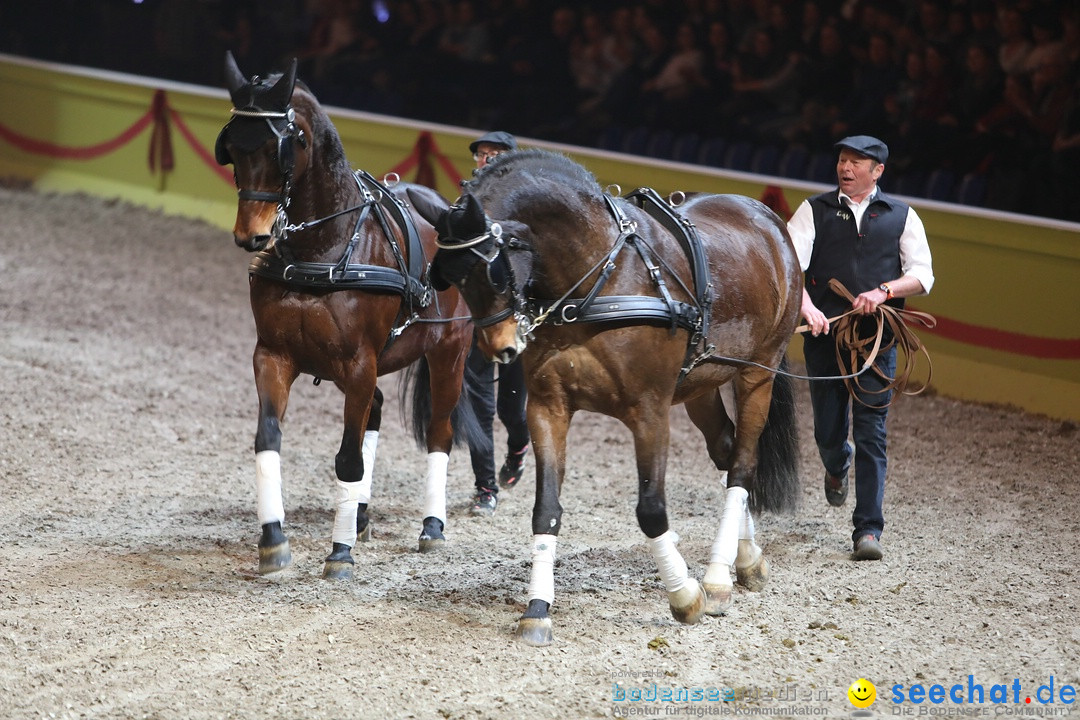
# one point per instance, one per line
(974, 86)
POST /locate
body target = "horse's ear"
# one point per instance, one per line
(281, 94)
(234, 79)
(472, 214)
(428, 210)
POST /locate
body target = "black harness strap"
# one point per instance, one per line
(626, 308)
(406, 281)
(649, 201)
(417, 262)
(637, 309)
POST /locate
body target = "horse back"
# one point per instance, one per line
(752, 260)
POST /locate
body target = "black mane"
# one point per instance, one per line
(545, 164)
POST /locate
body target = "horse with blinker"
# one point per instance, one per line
(338, 291)
(626, 306)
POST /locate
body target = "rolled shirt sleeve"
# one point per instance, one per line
(915, 251)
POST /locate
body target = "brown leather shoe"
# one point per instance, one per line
(867, 547)
(836, 489)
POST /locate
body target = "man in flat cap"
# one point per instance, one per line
(875, 245)
(488, 145)
(509, 401)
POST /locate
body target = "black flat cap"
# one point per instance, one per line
(871, 147)
(497, 137)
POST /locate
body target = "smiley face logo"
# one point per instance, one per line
(862, 693)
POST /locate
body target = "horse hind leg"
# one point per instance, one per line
(431, 536)
(367, 452)
(709, 413)
(686, 598)
(735, 545)
(436, 391)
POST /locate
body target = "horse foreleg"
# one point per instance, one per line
(548, 429)
(350, 469)
(446, 368)
(273, 378)
(685, 596)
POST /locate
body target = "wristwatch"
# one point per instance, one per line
(884, 287)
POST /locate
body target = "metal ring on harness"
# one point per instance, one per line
(285, 273)
(677, 194)
(563, 311)
(391, 178)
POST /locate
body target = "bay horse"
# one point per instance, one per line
(339, 291)
(626, 306)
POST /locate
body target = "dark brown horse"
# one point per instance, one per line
(339, 291)
(625, 306)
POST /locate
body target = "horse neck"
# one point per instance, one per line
(323, 190)
(569, 245)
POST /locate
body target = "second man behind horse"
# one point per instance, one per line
(508, 401)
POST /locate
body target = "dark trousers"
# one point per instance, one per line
(510, 406)
(835, 414)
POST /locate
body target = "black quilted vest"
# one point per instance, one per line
(861, 260)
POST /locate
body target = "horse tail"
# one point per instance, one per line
(777, 487)
(467, 428)
(415, 393)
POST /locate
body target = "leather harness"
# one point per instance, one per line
(407, 279)
(644, 308)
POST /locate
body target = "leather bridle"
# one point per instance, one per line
(488, 247)
(287, 139)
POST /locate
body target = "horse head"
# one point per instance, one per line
(266, 142)
(490, 264)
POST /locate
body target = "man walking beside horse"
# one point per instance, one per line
(874, 245)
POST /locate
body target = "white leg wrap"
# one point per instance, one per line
(671, 564)
(542, 581)
(746, 527)
(367, 450)
(268, 487)
(348, 495)
(727, 538)
(435, 495)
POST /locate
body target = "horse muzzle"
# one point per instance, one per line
(252, 244)
(503, 342)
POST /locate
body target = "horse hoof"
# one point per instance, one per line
(339, 563)
(337, 570)
(431, 544)
(275, 558)
(535, 632)
(753, 577)
(364, 535)
(718, 599)
(431, 537)
(688, 603)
